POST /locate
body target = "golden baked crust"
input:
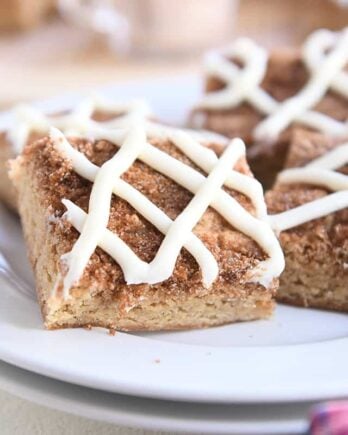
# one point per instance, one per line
(316, 253)
(285, 76)
(43, 178)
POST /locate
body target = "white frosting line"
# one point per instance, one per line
(315, 176)
(243, 84)
(206, 159)
(206, 192)
(129, 262)
(310, 95)
(28, 119)
(144, 206)
(307, 212)
(319, 172)
(78, 121)
(334, 159)
(224, 204)
(99, 204)
(157, 130)
(163, 265)
(313, 57)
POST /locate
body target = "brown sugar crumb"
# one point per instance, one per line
(112, 332)
(157, 361)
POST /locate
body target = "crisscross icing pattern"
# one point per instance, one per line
(133, 144)
(320, 172)
(27, 119)
(325, 54)
(78, 120)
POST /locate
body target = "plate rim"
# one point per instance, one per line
(334, 390)
(47, 392)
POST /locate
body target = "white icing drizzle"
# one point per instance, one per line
(28, 119)
(243, 84)
(334, 159)
(317, 176)
(319, 172)
(307, 212)
(206, 159)
(314, 57)
(178, 233)
(118, 249)
(78, 121)
(99, 204)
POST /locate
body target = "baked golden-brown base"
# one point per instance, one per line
(316, 253)
(102, 298)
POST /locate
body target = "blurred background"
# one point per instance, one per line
(48, 47)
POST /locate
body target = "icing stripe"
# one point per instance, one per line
(223, 203)
(142, 205)
(160, 131)
(316, 176)
(319, 172)
(161, 268)
(205, 159)
(129, 262)
(28, 119)
(313, 57)
(207, 191)
(99, 205)
(307, 212)
(309, 96)
(238, 89)
(243, 84)
(334, 159)
(163, 264)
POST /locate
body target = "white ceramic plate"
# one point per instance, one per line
(298, 355)
(155, 414)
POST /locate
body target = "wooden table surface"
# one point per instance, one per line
(56, 57)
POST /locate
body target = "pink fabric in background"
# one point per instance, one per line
(329, 419)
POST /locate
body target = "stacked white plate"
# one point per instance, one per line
(248, 378)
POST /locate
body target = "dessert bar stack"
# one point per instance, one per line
(135, 225)
(291, 108)
(263, 97)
